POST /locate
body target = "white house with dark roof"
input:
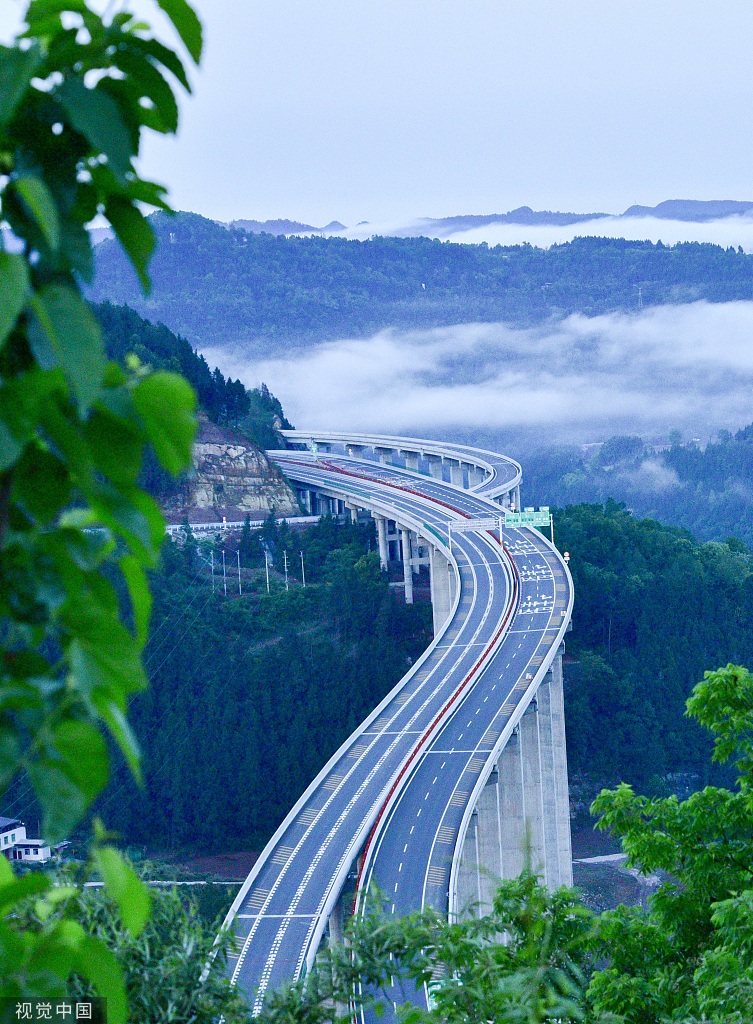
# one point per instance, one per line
(33, 851)
(12, 831)
(16, 845)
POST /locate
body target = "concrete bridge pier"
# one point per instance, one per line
(441, 576)
(384, 553)
(385, 455)
(435, 466)
(407, 564)
(411, 460)
(457, 476)
(523, 812)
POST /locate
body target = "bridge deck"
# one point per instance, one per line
(445, 719)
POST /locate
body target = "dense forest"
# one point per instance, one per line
(654, 609)
(255, 413)
(251, 694)
(228, 287)
(706, 490)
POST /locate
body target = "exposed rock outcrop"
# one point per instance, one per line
(230, 477)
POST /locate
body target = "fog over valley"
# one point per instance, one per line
(686, 367)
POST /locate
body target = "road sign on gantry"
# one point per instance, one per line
(528, 518)
(468, 525)
(462, 525)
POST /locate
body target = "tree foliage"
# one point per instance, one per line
(526, 962)
(161, 965)
(689, 957)
(77, 91)
(654, 610)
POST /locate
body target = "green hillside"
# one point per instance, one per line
(224, 287)
(706, 490)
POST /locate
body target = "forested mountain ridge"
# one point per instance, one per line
(232, 288)
(706, 490)
(225, 480)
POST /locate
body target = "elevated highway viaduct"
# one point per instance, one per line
(437, 792)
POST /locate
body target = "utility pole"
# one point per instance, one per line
(266, 566)
(285, 562)
(240, 589)
(212, 557)
(303, 571)
(224, 574)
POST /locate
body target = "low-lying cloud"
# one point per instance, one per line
(735, 231)
(582, 379)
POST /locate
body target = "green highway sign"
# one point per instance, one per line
(528, 518)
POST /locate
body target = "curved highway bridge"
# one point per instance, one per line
(436, 794)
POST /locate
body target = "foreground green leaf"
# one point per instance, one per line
(14, 284)
(125, 887)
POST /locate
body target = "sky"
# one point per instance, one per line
(389, 110)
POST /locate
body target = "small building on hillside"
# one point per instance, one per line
(34, 851)
(16, 845)
(12, 831)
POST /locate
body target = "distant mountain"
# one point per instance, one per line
(284, 227)
(266, 293)
(691, 209)
(523, 215)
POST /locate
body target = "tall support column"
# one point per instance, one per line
(516, 498)
(384, 555)
(336, 923)
(534, 807)
(439, 572)
(512, 807)
(407, 567)
(451, 582)
(489, 841)
(411, 460)
(548, 784)
(564, 840)
(353, 512)
(469, 893)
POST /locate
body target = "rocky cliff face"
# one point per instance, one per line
(232, 478)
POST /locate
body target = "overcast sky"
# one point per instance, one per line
(393, 109)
